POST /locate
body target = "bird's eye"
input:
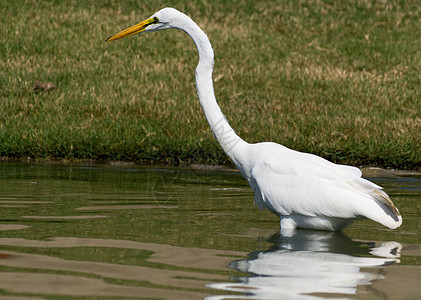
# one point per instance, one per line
(155, 20)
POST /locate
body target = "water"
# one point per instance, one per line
(119, 232)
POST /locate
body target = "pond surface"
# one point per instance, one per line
(125, 232)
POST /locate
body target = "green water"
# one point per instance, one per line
(122, 232)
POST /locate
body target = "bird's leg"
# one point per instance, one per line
(288, 226)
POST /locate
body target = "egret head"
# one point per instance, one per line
(166, 18)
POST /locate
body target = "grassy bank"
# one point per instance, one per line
(340, 79)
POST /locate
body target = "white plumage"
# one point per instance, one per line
(305, 190)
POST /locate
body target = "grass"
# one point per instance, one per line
(340, 79)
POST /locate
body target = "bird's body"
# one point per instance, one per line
(304, 190)
(308, 191)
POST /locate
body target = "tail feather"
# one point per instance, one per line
(381, 196)
(394, 218)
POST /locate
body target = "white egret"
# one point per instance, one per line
(304, 190)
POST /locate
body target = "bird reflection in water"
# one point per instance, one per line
(310, 265)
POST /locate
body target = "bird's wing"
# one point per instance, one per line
(301, 193)
(290, 182)
(352, 176)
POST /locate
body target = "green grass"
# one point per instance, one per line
(340, 79)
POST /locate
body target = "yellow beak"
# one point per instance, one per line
(132, 30)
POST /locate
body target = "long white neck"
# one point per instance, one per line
(230, 142)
